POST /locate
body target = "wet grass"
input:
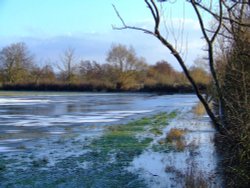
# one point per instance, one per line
(108, 157)
(156, 131)
(162, 146)
(123, 142)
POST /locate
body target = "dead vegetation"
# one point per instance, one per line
(176, 138)
(193, 179)
(175, 134)
(199, 109)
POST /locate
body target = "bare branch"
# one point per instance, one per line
(118, 15)
(210, 45)
(220, 33)
(125, 26)
(157, 18)
(220, 22)
(217, 17)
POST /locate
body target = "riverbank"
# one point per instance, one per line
(88, 87)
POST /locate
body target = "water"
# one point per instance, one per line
(45, 140)
(199, 157)
(30, 115)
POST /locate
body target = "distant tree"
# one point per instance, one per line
(200, 76)
(35, 75)
(127, 66)
(69, 65)
(15, 63)
(97, 74)
(164, 67)
(122, 58)
(163, 73)
(1, 77)
(47, 74)
(90, 70)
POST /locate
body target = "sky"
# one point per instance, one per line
(49, 27)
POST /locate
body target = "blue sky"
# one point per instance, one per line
(61, 17)
(50, 26)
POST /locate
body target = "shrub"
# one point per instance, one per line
(175, 134)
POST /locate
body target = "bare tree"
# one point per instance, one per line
(229, 69)
(224, 13)
(89, 70)
(68, 67)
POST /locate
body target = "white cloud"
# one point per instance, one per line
(95, 45)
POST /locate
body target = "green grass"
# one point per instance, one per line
(124, 137)
(156, 131)
(119, 145)
(122, 140)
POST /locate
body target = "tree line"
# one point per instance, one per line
(122, 71)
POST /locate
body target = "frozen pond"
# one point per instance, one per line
(30, 115)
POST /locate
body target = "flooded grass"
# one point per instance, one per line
(103, 165)
(156, 131)
(120, 144)
(87, 148)
(183, 156)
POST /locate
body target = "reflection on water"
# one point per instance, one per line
(34, 115)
